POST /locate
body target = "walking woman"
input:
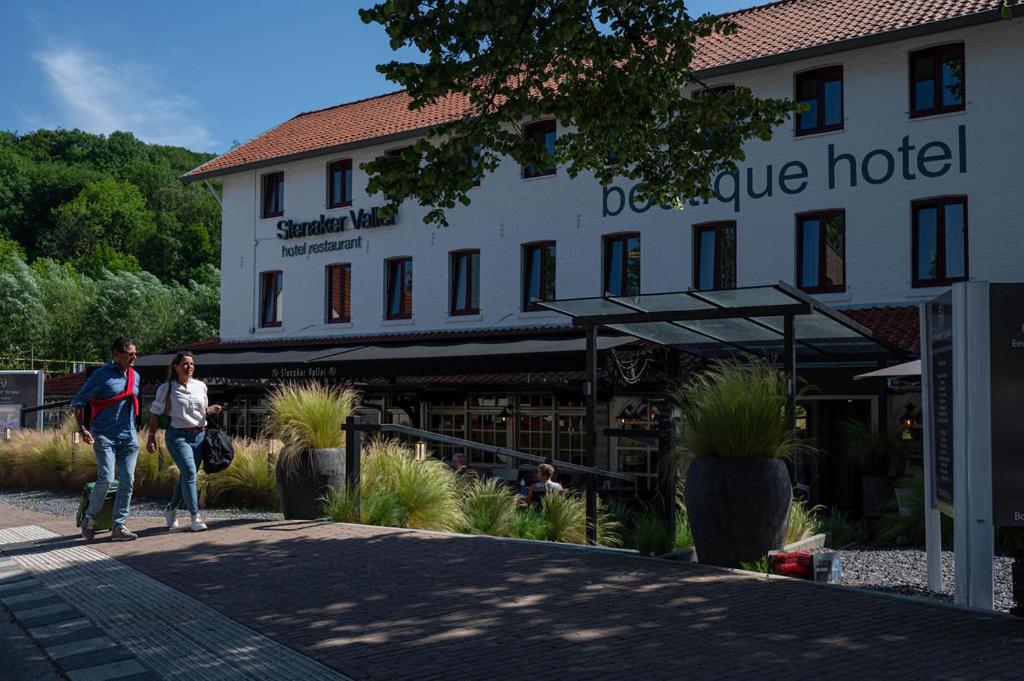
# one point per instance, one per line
(184, 400)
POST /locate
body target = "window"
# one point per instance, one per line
(937, 80)
(939, 241)
(538, 273)
(273, 195)
(339, 184)
(464, 288)
(622, 265)
(714, 256)
(821, 251)
(713, 90)
(543, 133)
(822, 91)
(398, 304)
(270, 299)
(339, 293)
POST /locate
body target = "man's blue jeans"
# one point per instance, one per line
(184, 448)
(111, 454)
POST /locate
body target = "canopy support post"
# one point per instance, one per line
(590, 392)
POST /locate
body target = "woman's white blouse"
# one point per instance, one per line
(187, 405)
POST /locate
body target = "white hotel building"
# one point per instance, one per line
(904, 176)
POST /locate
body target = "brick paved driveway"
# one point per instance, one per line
(376, 603)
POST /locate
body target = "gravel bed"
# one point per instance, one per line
(60, 502)
(902, 570)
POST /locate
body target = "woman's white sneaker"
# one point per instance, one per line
(169, 513)
(197, 524)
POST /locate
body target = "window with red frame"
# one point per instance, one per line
(538, 273)
(821, 251)
(545, 134)
(937, 80)
(464, 272)
(821, 91)
(339, 293)
(270, 298)
(714, 256)
(622, 265)
(339, 184)
(939, 241)
(398, 289)
(273, 195)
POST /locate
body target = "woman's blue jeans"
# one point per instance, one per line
(184, 448)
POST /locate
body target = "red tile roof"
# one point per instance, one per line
(779, 29)
(898, 325)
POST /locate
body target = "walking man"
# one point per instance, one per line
(112, 393)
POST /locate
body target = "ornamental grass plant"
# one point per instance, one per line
(735, 409)
(309, 415)
(487, 507)
(803, 522)
(249, 480)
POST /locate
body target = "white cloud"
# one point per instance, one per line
(101, 99)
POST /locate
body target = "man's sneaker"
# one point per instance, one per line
(169, 515)
(88, 528)
(197, 524)
(122, 533)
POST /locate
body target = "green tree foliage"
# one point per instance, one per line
(74, 196)
(615, 75)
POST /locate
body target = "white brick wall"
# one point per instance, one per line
(508, 211)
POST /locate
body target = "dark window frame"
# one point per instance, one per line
(936, 52)
(343, 164)
(821, 216)
(821, 75)
(606, 255)
(346, 283)
(278, 288)
(454, 311)
(716, 227)
(265, 181)
(403, 261)
(938, 202)
(527, 304)
(545, 126)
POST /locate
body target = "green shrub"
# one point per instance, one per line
(250, 477)
(762, 565)
(684, 537)
(487, 507)
(803, 522)
(528, 524)
(609, 530)
(565, 515)
(736, 409)
(840, 530)
(908, 528)
(652, 534)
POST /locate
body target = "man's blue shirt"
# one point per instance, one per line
(116, 422)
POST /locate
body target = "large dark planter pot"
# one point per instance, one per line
(738, 508)
(301, 486)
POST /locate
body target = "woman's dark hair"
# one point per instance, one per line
(182, 354)
(121, 344)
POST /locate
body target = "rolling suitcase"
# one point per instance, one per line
(105, 520)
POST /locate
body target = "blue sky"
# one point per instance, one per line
(189, 73)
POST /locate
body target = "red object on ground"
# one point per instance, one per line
(793, 564)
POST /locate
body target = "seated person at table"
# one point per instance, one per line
(544, 484)
(458, 463)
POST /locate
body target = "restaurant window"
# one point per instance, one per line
(270, 299)
(714, 256)
(339, 293)
(937, 80)
(464, 290)
(622, 265)
(398, 300)
(538, 273)
(821, 91)
(447, 421)
(543, 133)
(339, 184)
(273, 195)
(939, 241)
(821, 251)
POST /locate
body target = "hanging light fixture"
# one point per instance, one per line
(627, 416)
(504, 415)
(909, 419)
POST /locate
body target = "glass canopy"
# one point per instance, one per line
(723, 323)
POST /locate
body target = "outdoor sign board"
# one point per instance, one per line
(20, 389)
(940, 367)
(1006, 318)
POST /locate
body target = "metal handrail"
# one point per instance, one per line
(25, 411)
(490, 449)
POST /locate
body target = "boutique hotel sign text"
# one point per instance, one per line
(356, 219)
(909, 161)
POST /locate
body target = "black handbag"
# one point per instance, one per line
(217, 451)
